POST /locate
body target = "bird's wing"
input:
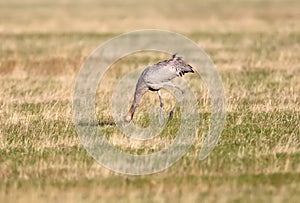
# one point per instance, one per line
(160, 74)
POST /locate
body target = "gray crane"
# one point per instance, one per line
(157, 76)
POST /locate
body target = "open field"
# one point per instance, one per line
(255, 46)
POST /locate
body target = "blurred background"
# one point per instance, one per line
(44, 16)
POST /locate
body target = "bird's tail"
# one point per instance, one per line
(186, 69)
(189, 69)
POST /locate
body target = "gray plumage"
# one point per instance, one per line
(157, 76)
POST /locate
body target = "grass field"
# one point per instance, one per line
(255, 46)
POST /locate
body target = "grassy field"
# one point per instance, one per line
(255, 46)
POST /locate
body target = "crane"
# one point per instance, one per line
(157, 76)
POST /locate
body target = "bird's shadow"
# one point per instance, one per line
(97, 123)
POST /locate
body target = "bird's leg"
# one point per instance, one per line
(161, 117)
(139, 93)
(177, 101)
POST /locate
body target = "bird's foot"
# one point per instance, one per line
(171, 115)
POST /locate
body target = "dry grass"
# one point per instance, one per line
(255, 46)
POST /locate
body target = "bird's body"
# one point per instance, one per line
(157, 76)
